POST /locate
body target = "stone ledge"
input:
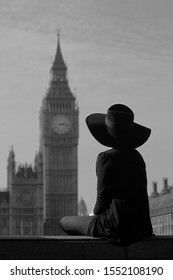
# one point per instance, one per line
(83, 248)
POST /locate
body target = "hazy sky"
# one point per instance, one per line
(117, 51)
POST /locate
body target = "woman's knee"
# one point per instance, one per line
(63, 222)
(75, 224)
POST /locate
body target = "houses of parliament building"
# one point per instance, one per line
(38, 195)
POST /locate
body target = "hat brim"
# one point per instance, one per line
(136, 136)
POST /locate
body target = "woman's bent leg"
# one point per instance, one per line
(75, 225)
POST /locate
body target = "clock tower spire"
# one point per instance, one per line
(59, 63)
(59, 146)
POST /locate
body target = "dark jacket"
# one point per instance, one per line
(122, 207)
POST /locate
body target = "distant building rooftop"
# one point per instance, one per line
(161, 203)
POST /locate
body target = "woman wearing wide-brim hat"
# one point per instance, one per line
(121, 211)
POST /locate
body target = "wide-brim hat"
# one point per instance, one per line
(117, 128)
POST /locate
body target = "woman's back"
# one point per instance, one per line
(122, 183)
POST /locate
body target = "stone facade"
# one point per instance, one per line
(21, 206)
(161, 209)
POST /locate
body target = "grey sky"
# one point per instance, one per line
(116, 52)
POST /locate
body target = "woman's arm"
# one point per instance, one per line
(104, 198)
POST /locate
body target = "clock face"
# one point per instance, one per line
(61, 124)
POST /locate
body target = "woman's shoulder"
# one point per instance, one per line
(117, 154)
(108, 156)
(104, 159)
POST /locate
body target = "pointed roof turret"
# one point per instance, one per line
(82, 208)
(58, 85)
(59, 61)
(11, 156)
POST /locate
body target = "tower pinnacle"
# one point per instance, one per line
(58, 33)
(59, 61)
(11, 156)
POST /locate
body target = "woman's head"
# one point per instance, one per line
(117, 128)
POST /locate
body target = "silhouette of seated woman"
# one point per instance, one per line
(121, 211)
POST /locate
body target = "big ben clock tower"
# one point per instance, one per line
(58, 143)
